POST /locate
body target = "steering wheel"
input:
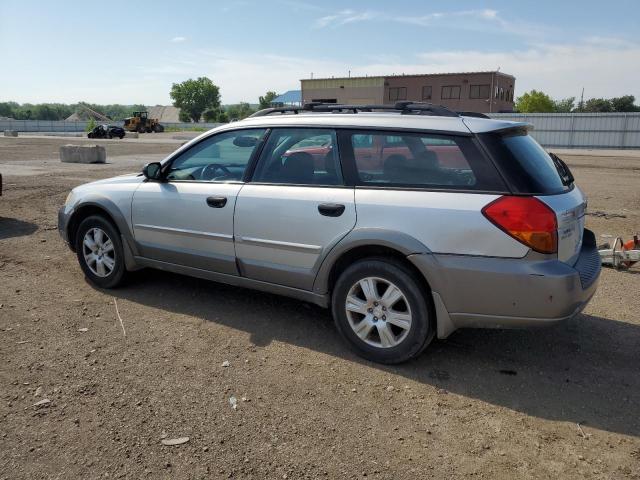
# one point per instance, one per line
(209, 171)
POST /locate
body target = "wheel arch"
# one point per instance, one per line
(105, 208)
(369, 242)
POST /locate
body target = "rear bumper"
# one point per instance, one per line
(509, 293)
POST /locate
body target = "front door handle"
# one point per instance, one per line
(331, 209)
(216, 202)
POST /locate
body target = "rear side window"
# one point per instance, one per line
(300, 156)
(528, 167)
(421, 160)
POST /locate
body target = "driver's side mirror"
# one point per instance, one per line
(152, 171)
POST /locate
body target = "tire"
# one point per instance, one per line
(121, 137)
(141, 130)
(148, 130)
(90, 135)
(404, 342)
(105, 277)
(109, 136)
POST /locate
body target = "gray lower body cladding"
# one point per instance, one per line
(486, 292)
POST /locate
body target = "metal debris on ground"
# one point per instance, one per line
(622, 254)
(174, 441)
(233, 401)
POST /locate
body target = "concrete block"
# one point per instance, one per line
(10, 133)
(83, 154)
(131, 135)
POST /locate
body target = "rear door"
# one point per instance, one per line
(295, 208)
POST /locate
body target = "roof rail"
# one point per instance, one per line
(473, 114)
(421, 108)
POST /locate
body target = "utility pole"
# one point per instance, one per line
(581, 108)
(491, 95)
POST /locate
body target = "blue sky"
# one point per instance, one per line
(131, 52)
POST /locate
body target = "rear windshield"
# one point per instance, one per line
(528, 167)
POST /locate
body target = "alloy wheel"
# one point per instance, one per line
(99, 253)
(378, 312)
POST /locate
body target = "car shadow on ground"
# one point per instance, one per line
(12, 227)
(583, 371)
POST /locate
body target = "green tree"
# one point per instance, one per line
(265, 102)
(239, 111)
(184, 117)
(91, 124)
(534, 102)
(7, 109)
(223, 117)
(195, 96)
(626, 103)
(565, 105)
(595, 105)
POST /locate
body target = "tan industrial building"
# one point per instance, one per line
(472, 91)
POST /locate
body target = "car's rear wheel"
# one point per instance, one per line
(382, 311)
(100, 253)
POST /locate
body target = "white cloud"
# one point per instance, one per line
(481, 20)
(430, 18)
(558, 69)
(345, 17)
(178, 39)
(605, 67)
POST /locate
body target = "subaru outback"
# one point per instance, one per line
(408, 221)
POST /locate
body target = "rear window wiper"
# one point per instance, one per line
(563, 170)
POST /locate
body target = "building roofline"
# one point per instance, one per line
(412, 75)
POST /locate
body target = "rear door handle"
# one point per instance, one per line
(216, 202)
(331, 209)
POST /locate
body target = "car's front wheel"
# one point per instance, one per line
(382, 311)
(100, 252)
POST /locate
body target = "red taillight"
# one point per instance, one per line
(526, 219)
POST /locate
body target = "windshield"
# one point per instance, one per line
(528, 167)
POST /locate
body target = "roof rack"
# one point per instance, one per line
(416, 108)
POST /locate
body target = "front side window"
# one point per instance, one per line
(421, 160)
(300, 156)
(220, 158)
(397, 93)
(450, 92)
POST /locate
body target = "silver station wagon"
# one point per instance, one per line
(409, 221)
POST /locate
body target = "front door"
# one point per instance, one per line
(295, 208)
(188, 218)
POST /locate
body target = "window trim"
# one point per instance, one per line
(352, 176)
(397, 99)
(479, 86)
(442, 97)
(249, 176)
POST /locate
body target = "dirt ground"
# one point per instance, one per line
(562, 402)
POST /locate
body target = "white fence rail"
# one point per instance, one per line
(566, 130)
(64, 126)
(581, 130)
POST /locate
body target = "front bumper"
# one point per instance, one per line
(509, 293)
(64, 216)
